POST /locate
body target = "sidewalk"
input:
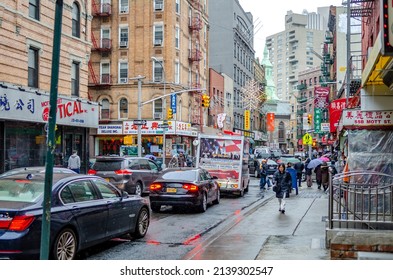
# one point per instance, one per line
(267, 234)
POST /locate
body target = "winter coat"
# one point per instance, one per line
(283, 181)
(263, 169)
(324, 174)
(182, 160)
(299, 166)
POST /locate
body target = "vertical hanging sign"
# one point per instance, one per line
(270, 121)
(246, 119)
(173, 103)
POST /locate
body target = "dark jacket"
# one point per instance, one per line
(263, 169)
(283, 181)
(299, 166)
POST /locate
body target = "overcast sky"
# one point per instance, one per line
(269, 19)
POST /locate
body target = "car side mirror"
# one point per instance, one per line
(124, 194)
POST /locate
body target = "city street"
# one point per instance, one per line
(238, 228)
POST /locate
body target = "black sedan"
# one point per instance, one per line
(193, 187)
(85, 211)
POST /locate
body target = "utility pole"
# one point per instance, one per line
(51, 144)
(139, 137)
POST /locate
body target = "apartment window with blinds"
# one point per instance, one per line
(158, 5)
(123, 6)
(105, 108)
(177, 37)
(157, 72)
(33, 67)
(75, 79)
(123, 108)
(177, 6)
(158, 35)
(105, 74)
(177, 73)
(123, 72)
(76, 29)
(34, 9)
(123, 37)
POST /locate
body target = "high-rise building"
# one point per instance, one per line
(164, 44)
(231, 50)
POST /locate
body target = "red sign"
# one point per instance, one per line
(270, 121)
(335, 109)
(321, 97)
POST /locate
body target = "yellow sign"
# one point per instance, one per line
(246, 119)
(307, 139)
(128, 140)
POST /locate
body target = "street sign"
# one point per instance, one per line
(307, 139)
(139, 122)
(173, 103)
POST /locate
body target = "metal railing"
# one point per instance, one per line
(361, 200)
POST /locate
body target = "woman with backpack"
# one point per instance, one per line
(282, 182)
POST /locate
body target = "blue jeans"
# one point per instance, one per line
(262, 182)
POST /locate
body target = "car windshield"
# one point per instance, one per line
(20, 190)
(263, 155)
(107, 165)
(188, 175)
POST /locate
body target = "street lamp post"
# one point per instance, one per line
(139, 117)
(163, 111)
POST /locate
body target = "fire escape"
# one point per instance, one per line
(360, 10)
(101, 47)
(194, 57)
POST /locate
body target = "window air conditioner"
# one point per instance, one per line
(123, 44)
(158, 7)
(157, 42)
(123, 10)
(157, 116)
(123, 80)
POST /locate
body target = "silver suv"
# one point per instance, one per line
(131, 174)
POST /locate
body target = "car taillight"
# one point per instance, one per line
(190, 187)
(123, 172)
(91, 172)
(155, 187)
(18, 223)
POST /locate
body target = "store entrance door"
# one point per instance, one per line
(74, 141)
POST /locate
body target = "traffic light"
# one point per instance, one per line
(169, 114)
(205, 100)
(309, 118)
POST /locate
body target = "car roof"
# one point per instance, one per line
(36, 169)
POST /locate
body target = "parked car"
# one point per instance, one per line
(85, 211)
(34, 170)
(131, 174)
(193, 187)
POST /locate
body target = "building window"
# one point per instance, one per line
(177, 73)
(123, 37)
(123, 6)
(76, 28)
(75, 71)
(158, 5)
(157, 109)
(105, 39)
(123, 108)
(158, 73)
(177, 37)
(34, 9)
(33, 67)
(105, 74)
(123, 72)
(281, 131)
(177, 6)
(105, 109)
(158, 35)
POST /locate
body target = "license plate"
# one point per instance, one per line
(271, 167)
(107, 179)
(171, 190)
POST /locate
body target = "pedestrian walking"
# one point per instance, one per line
(308, 172)
(281, 183)
(74, 162)
(293, 174)
(263, 175)
(182, 159)
(299, 166)
(318, 176)
(324, 175)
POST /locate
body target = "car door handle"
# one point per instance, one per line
(76, 208)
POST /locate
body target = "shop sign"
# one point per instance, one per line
(317, 120)
(156, 128)
(270, 121)
(110, 129)
(34, 107)
(246, 119)
(353, 117)
(325, 127)
(335, 109)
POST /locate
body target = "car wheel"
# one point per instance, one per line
(142, 223)
(217, 200)
(65, 245)
(155, 208)
(138, 188)
(203, 206)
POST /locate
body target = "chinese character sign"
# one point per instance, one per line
(317, 120)
(335, 109)
(321, 97)
(246, 119)
(270, 121)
